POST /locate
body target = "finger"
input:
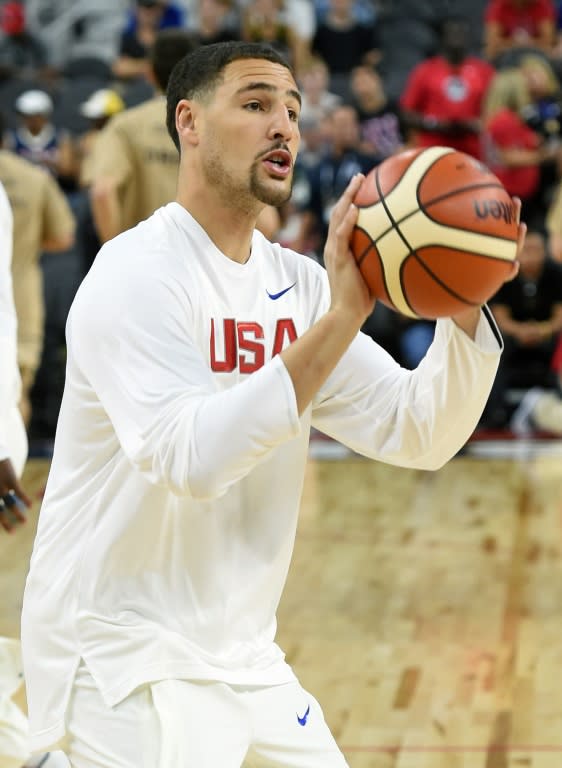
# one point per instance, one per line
(5, 524)
(345, 227)
(4, 519)
(521, 237)
(518, 204)
(14, 508)
(21, 494)
(341, 207)
(514, 271)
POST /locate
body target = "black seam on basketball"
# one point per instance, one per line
(434, 277)
(424, 206)
(401, 236)
(360, 258)
(454, 192)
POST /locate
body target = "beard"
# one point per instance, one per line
(245, 194)
(268, 194)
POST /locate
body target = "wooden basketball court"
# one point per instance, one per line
(423, 610)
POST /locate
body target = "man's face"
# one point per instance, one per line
(345, 128)
(250, 135)
(35, 123)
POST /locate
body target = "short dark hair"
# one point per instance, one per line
(198, 73)
(169, 47)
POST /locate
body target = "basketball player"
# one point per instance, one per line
(13, 501)
(43, 221)
(134, 166)
(199, 356)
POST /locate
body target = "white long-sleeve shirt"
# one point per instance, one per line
(170, 511)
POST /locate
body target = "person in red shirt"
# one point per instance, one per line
(443, 98)
(512, 24)
(512, 150)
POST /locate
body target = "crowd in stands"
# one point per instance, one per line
(81, 99)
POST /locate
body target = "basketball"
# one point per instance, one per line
(436, 232)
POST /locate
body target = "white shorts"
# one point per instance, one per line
(190, 724)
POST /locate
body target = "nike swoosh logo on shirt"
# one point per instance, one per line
(302, 720)
(276, 296)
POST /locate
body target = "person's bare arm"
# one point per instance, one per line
(126, 67)
(106, 210)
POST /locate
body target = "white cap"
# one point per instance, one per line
(102, 103)
(34, 103)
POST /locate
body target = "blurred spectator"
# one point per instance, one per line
(267, 21)
(42, 221)
(215, 22)
(528, 311)
(541, 409)
(134, 162)
(22, 55)
(443, 98)
(38, 140)
(317, 104)
(303, 20)
(102, 105)
(362, 10)
(317, 99)
(81, 36)
(543, 114)
(556, 53)
(341, 159)
(513, 25)
(380, 119)
(554, 225)
(145, 20)
(344, 43)
(511, 149)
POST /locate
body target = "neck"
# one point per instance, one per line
(228, 227)
(455, 58)
(372, 101)
(339, 19)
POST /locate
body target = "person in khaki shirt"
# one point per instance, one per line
(134, 165)
(554, 225)
(43, 221)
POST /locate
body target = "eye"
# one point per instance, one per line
(253, 106)
(293, 115)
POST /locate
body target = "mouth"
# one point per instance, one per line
(278, 163)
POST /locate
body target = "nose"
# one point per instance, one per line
(281, 126)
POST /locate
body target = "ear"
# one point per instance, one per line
(186, 123)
